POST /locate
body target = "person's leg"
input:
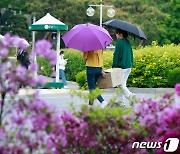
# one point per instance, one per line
(97, 75)
(126, 73)
(126, 92)
(90, 78)
(62, 75)
(90, 81)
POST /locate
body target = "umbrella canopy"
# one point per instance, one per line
(126, 26)
(87, 37)
(48, 23)
(21, 40)
(17, 41)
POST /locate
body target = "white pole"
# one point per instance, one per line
(57, 53)
(33, 43)
(101, 13)
(33, 33)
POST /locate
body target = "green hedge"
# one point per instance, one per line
(174, 77)
(44, 67)
(81, 79)
(74, 64)
(152, 65)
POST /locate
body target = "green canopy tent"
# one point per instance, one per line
(49, 23)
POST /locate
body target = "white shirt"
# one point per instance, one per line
(62, 62)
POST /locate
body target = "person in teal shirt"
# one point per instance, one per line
(123, 58)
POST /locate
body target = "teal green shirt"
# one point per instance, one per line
(123, 55)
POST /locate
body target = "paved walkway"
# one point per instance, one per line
(62, 98)
(74, 85)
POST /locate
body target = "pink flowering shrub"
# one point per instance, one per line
(32, 126)
(114, 130)
(13, 77)
(177, 93)
(111, 130)
(37, 127)
(161, 119)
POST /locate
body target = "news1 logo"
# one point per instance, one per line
(170, 145)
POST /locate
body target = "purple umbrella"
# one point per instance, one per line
(87, 37)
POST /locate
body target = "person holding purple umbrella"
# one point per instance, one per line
(91, 40)
(94, 63)
(123, 58)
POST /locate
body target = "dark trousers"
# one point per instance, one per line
(93, 74)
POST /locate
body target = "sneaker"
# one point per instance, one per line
(133, 94)
(104, 104)
(131, 104)
(123, 104)
(90, 107)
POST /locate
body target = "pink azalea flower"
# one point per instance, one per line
(3, 53)
(0, 87)
(41, 79)
(33, 67)
(177, 88)
(8, 42)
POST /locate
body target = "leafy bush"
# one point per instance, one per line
(81, 79)
(174, 77)
(152, 65)
(44, 67)
(107, 59)
(113, 130)
(74, 64)
(108, 130)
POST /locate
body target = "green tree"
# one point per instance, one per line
(143, 15)
(16, 28)
(4, 3)
(159, 19)
(171, 23)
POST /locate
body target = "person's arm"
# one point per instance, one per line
(117, 54)
(132, 57)
(103, 73)
(85, 55)
(62, 60)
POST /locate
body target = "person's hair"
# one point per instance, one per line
(120, 31)
(62, 52)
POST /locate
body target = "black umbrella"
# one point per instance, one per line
(126, 26)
